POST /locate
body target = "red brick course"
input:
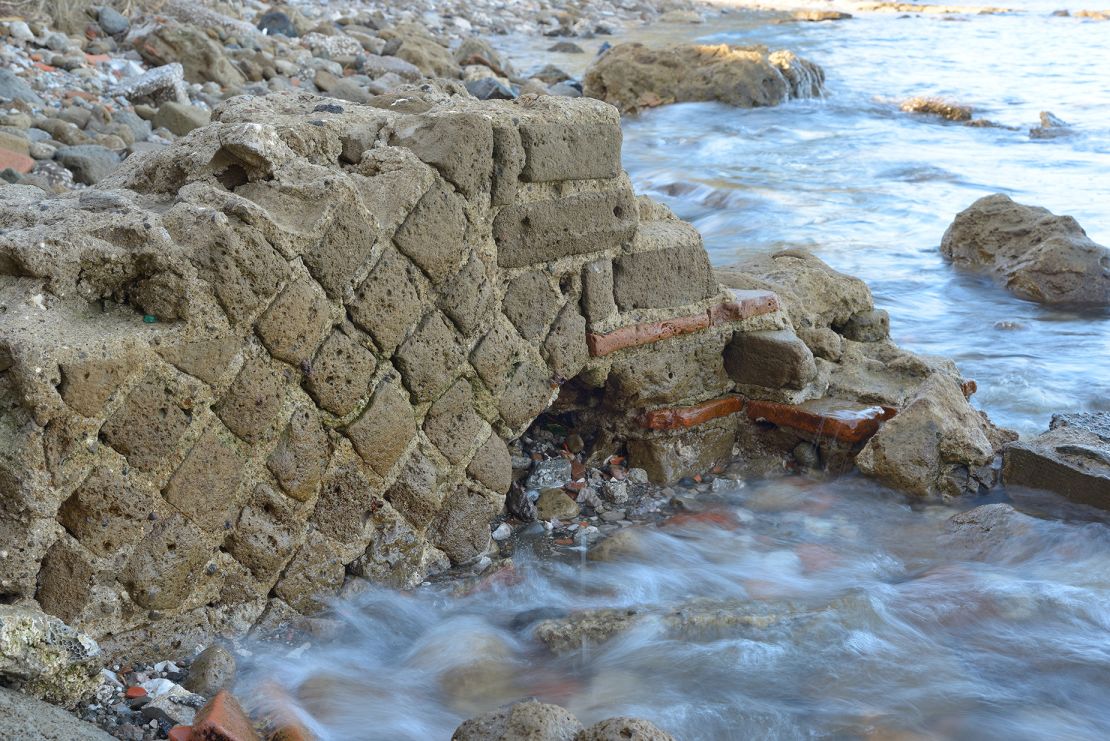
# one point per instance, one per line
(690, 416)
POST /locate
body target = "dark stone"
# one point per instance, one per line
(275, 22)
(328, 108)
(488, 88)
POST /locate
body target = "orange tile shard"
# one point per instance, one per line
(746, 305)
(690, 416)
(849, 423)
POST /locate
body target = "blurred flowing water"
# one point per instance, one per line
(879, 624)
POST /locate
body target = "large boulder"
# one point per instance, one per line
(1034, 253)
(1072, 459)
(633, 76)
(624, 729)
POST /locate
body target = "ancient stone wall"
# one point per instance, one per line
(291, 348)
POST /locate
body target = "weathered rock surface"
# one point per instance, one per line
(45, 658)
(26, 718)
(1072, 459)
(632, 76)
(1034, 253)
(624, 729)
(528, 719)
(268, 356)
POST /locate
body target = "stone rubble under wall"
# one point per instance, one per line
(275, 356)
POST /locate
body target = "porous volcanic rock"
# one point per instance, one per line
(632, 76)
(1034, 253)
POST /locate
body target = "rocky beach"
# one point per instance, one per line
(498, 370)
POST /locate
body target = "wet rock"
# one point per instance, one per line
(1034, 253)
(937, 107)
(936, 445)
(554, 504)
(1051, 127)
(566, 47)
(623, 545)
(529, 719)
(211, 671)
(624, 729)
(224, 718)
(552, 473)
(180, 118)
(1072, 459)
(29, 719)
(633, 76)
(89, 163)
(44, 657)
(990, 531)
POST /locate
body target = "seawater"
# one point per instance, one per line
(884, 627)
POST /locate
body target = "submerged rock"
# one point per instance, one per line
(528, 719)
(937, 107)
(1034, 253)
(1072, 459)
(633, 76)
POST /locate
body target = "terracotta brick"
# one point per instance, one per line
(21, 163)
(691, 416)
(846, 425)
(746, 305)
(223, 719)
(644, 334)
(180, 733)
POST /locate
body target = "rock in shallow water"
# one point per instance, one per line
(633, 76)
(1034, 253)
(529, 719)
(1071, 459)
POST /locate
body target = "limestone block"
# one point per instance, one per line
(88, 384)
(508, 161)
(345, 241)
(461, 529)
(384, 430)
(598, 303)
(65, 580)
(346, 497)
(570, 141)
(295, 323)
(537, 232)
(107, 511)
(341, 371)
(493, 355)
(434, 234)
(867, 326)
(252, 404)
(681, 369)
(149, 424)
(418, 492)
(458, 145)
(204, 486)
(314, 575)
(431, 358)
(301, 455)
(205, 356)
(266, 533)
(388, 303)
(452, 424)
(531, 303)
(165, 565)
(467, 297)
(775, 359)
(672, 276)
(565, 347)
(492, 465)
(528, 393)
